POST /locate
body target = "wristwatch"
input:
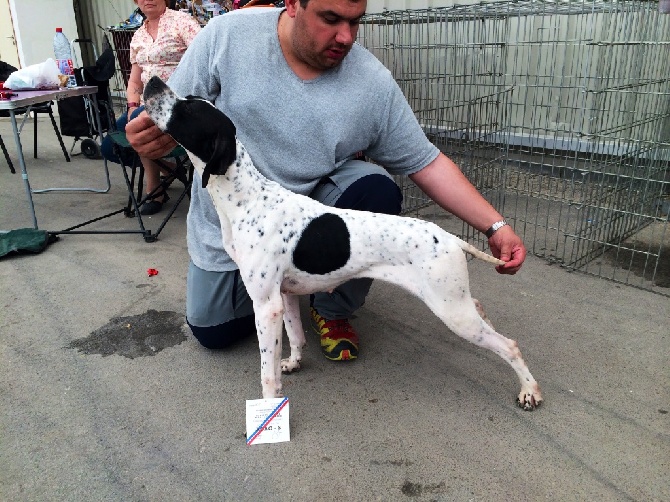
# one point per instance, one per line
(494, 228)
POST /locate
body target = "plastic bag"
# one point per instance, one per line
(38, 76)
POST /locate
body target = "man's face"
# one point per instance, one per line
(325, 30)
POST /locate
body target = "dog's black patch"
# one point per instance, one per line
(324, 246)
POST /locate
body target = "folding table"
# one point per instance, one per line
(28, 98)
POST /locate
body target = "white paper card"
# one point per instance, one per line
(267, 420)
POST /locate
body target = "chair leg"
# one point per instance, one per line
(60, 138)
(9, 161)
(182, 171)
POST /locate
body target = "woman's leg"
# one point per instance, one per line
(107, 147)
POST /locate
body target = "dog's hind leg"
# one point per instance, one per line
(444, 287)
(461, 316)
(480, 311)
(296, 335)
(269, 315)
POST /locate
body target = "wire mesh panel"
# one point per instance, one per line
(121, 38)
(559, 112)
(460, 101)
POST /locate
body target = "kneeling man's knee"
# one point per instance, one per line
(224, 335)
(375, 193)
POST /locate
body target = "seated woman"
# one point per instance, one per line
(155, 50)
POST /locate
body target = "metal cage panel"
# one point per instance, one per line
(559, 112)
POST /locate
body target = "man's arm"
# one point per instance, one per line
(444, 182)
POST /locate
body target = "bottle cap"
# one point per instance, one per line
(59, 30)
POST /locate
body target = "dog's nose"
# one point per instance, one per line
(154, 86)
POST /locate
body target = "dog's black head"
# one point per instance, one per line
(194, 123)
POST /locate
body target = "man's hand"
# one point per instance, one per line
(508, 247)
(147, 139)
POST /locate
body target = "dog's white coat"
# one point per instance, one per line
(261, 223)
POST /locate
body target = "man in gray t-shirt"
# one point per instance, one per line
(306, 100)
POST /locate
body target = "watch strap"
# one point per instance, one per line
(494, 228)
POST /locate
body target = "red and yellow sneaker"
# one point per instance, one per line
(339, 341)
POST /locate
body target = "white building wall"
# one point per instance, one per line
(35, 24)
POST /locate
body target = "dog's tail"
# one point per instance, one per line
(469, 248)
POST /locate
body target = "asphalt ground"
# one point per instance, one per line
(105, 396)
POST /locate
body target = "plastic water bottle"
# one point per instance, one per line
(63, 54)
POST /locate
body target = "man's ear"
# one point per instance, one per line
(291, 7)
(224, 151)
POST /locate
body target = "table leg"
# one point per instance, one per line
(22, 163)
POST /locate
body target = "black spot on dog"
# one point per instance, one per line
(324, 246)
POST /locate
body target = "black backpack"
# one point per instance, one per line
(6, 70)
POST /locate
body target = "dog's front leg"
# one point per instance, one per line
(269, 315)
(296, 335)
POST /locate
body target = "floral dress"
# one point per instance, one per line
(160, 57)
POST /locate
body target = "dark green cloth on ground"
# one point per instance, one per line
(25, 240)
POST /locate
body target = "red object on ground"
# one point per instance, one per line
(152, 271)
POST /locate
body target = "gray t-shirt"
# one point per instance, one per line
(296, 131)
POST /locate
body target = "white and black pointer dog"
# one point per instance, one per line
(287, 244)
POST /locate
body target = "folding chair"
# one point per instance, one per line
(7, 158)
(46, 108)
(181, 170)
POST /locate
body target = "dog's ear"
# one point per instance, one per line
(224, 151)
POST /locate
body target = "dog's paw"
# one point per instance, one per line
(529, 399)
(288, 366)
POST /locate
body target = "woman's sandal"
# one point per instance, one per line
(179, 173)
(153, 206)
